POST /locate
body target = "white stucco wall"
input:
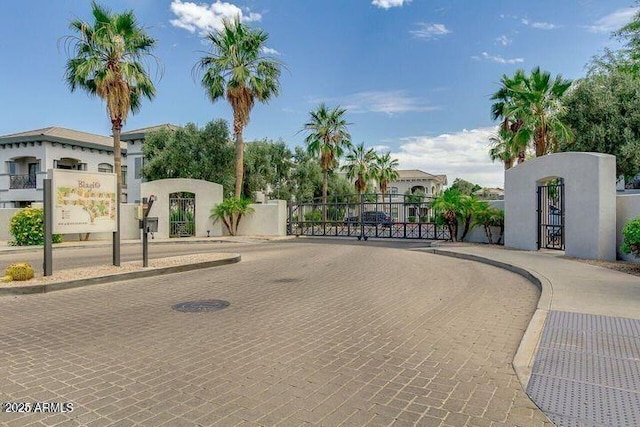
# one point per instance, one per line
(590, 202)
(268, 219)
(207, 196)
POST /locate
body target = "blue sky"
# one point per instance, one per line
(415, 76)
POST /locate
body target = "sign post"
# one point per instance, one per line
(144, 225)
(48, 229)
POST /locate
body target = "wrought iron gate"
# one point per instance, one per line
(182, 214)
(391, 216)
(551, 216)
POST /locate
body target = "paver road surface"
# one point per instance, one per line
(315, 334)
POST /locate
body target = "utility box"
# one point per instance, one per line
(152, 224)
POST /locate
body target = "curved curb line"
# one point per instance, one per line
(44, 288)
(524, 357)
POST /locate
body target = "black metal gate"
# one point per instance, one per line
(372, 215)
(182, 214)
(551, 216)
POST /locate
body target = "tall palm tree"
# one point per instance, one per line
(537, 103)
(503, 148)
(450, 204)
(327, 137)
(511, 140)
(385, 171)
(238, 70)
(107, 60)
(360, 168)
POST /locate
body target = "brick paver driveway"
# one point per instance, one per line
(323, 334)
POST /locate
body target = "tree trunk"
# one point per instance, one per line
(325, 190)
(237, 133)
(116, 127)
(465, 230)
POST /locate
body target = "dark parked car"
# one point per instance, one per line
(371, 218)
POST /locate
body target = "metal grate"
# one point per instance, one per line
(587, 370)
(201, 306)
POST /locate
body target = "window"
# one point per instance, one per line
(394, 190)
(123, 170)
(11, 167)
(105, 167)
(138, 165)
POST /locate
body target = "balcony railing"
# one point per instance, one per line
(19, 182)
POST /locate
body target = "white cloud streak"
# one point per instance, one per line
(204, 18)
(499, 59)
(538, 25)
(463, 154)
(387, 4)
(270, 51)
(614, 20)
(427, 31)
(387, 102)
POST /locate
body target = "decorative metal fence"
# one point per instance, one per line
(372, 215)
(551, 216)
(182, 213)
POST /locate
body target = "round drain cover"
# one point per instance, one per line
(200, 306)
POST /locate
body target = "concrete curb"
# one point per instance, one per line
(525, 355)
(50, 287)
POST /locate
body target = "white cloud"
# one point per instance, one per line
(381, 148)
(499, 59)
(463, 154)
(270, 51)
(614, 20)
(386, 4)
(387, 102)
(504, 40)
(430, 31)
(205, 18)
(538, 25)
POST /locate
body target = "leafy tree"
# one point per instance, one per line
(238, 70)
(107, 61)
(511, 144)
(191, 152)
(604, 111)
(465, 187)
(327, 137)
(230, 212)
(385, 170)
(267, 166)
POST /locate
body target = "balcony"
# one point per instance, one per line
(20, 182)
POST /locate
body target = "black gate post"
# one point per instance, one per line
(539, 211)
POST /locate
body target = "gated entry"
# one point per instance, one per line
(182, 213)
(372, 215)
(551, 216)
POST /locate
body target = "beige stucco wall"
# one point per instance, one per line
(268, 219)
(207, 196)
(590, 202)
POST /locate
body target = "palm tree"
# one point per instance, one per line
(450, 205)
(327, 138)
(537, 103)
(503, 148)
(360, 165)
(107, 61)
(238, 70)
(511, 141)
(385, 171)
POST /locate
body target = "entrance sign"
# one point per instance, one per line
(83, 202)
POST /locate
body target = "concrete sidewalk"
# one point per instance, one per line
(579, 359)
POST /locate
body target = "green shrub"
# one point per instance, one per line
(19, 271)
(334, 213)
(424, 218)
(631, 237)
(314, 215)
(230, 212)
(412, 218)
(27, 228)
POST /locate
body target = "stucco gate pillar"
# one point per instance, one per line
(589, 202)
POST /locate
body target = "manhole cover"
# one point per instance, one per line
(200, 306)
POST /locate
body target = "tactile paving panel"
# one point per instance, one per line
(587, 370)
